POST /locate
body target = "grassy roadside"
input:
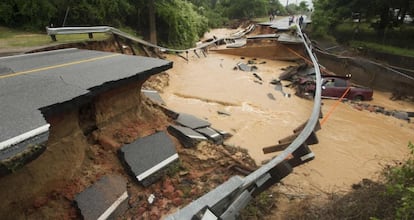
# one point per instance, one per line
(396, 40)
(10, 38)
(382, 48)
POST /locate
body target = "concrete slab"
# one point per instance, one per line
(153, 96)
(147, 157)
(187, 136)
(191, 121)
(246, 68)
(211, 134)
(106, 199)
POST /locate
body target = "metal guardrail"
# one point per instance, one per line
(222, 204)
(227, 200)
(107, 29)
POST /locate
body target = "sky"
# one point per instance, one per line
(283, 2)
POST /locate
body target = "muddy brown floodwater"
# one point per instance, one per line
(353, 144)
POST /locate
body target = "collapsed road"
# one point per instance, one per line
(239, 190)
(34, 84)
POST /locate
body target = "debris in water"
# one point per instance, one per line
(223, 113)
(257, 76)
(246, 68)
(279, 87)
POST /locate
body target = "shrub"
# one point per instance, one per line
(400, 184)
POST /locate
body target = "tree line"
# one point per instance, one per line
(383, 14)
(179, 23)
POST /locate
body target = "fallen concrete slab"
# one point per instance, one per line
(211, 134)
(153, 96)
(187, 136)
(191, 121)
(246, 68)
(147, 157)
(106, 199)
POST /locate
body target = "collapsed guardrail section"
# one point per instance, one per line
(52, 32)
(228, 199)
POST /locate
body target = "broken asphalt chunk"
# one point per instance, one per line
(246, 68)
(147, 157)
(223, 113)
(279, 87)
(153, 96)
(187, 136)
(106, 199)
(211, 134)
(271, 96)
(191, 121)
(257, 76)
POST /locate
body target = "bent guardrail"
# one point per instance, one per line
(226, 201)
(107, 29)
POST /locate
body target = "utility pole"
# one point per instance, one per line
(152, 23)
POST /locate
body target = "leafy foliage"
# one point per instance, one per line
(179, 22)
(246, 8)
(383, 14)
(392, 198)
(401, 185)
(179, 25)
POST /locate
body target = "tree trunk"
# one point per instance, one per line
(384, 21)
(152, 25)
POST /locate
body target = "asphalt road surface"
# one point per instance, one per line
(33, 84)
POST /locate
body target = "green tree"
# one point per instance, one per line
(246, 9)
(303, 7)
(178, 23)
(26, 13)
(382, 13)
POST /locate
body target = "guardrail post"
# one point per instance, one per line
(301, 155)
(119, 44)
(274, 175)
(90, 35)
(53, 37)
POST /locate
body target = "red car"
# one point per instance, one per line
(335, 87)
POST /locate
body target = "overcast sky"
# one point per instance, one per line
(283, 2)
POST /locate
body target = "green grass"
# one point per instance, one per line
(10, 38)
(382, 48)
